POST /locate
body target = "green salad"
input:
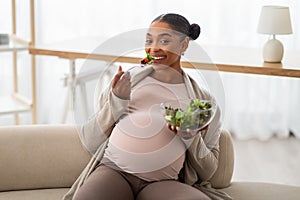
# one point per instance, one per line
(195, 116)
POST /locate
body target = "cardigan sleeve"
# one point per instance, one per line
(110, 108)
(98, 128)
(203, 149)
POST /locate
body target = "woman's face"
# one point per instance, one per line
(165, 45)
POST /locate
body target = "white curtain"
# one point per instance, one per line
(256, 106)
(261, 106)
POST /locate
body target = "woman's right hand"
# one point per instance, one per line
(121, 85)
(185, 134)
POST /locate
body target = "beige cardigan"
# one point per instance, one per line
(203, 149)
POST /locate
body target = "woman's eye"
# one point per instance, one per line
(164, 41)
(148, 42)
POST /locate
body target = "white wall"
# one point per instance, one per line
(223, 22)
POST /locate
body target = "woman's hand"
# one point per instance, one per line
(121, 85)
(187, 133)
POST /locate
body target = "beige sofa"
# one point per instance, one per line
(42, 161)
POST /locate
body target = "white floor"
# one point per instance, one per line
(276, 160)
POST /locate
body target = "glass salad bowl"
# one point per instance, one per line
(188, 114)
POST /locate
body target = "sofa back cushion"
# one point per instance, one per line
(40, 156)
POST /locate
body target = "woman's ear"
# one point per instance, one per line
(185, 44)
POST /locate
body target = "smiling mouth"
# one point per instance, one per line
(158, 57)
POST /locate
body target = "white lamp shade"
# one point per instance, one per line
(274, 20)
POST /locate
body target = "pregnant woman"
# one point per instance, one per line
(136, 154)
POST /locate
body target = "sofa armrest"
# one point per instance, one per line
(40, 156)
(223, 175)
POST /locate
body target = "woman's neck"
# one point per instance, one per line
(167, 74)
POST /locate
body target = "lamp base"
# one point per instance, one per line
(273, 51)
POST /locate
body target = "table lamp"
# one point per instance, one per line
(274, 20)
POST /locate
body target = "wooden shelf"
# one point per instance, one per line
(16, 103)
(10, 105)
(13, 47)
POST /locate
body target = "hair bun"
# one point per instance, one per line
(194, 31)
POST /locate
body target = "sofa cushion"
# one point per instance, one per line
(237, 190)
(40, 156)
(46, 194)
(262, 191)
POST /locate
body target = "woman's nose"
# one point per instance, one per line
(154, 47)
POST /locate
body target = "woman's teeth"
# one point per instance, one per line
(158, 57)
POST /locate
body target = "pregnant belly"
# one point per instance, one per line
(142, 132)
(141, 143)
